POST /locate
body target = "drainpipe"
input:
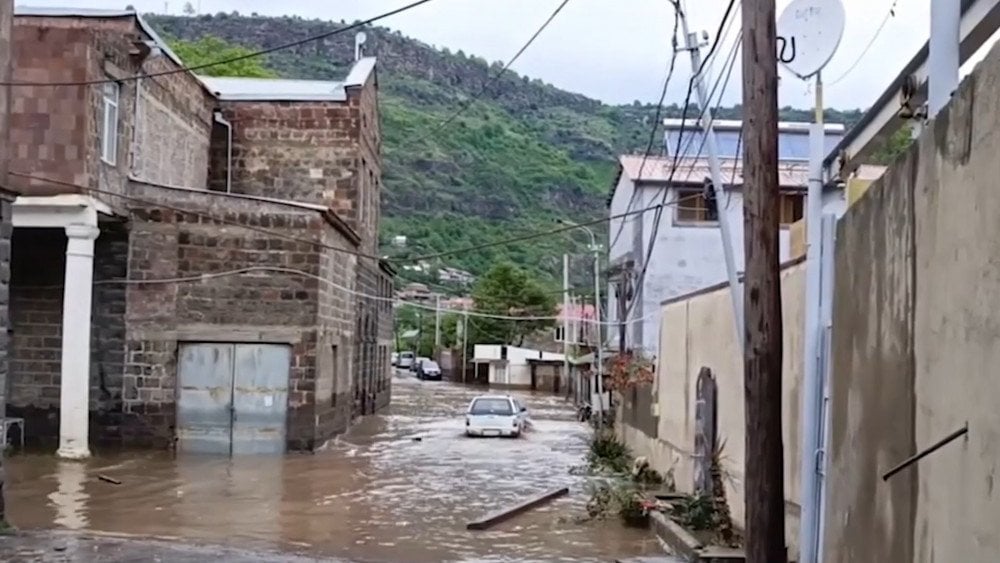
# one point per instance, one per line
(229, 149)
(133, 164)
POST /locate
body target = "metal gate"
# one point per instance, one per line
(232, 398)
(705, 430)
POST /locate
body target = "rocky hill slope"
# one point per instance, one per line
(524, 155)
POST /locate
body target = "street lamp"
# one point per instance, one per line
(596, 249)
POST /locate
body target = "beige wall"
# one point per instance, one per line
(699, 332)
(916, 334)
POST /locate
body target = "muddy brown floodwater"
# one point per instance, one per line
(375, 494)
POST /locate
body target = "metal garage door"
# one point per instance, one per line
(232, 398)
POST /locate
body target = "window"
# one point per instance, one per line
(109, 122)
(791, 208)
(559, 334)
(692, 207)
(491, 407)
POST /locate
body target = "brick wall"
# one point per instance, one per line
(336, 364)
(165, 244)
(364, 102)
(329, 153)
(372, 387)
(36, 300)
(36, 322)
(49, 126)
(56, 130)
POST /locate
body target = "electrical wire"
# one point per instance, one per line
(229, 60)
(687, 103)
(656, 118)
(889, 15)
(317, 244)
(476, 97)
(292, 271)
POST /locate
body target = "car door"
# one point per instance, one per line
(521, 412)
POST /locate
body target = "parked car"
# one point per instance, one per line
(496, 415)
(395, 359)
(405, 360)
(416, 363)
(428, 369)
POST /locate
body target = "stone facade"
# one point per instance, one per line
(267, 305)
(165, 258)
(328, 153)
(56, 132)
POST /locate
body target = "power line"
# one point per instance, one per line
(317, 244)
(229, 60)
(468, 103)
(687, 104)
(534, 235)
(889, 15)
(656, 118)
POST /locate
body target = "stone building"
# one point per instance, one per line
(197, 288)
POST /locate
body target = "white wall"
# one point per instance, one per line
(686, 257)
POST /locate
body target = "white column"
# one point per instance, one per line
(74, 396)
(943, 58)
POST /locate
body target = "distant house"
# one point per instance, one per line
(139, 305)
(688, 249)
(512, 367)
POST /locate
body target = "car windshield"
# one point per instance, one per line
(491, 406)
(430, 365)
(406, 355)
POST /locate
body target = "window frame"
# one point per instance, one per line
(110, 109)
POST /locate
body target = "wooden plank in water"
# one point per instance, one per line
(494, 518)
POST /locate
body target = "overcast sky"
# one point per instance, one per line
(613, 50)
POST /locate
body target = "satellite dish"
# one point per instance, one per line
(359, 40)
(809, 32)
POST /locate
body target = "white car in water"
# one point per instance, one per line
(496, 415)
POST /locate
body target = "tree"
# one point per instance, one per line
(893, 147)
(209, 49)
(509, 291)
(188, 9)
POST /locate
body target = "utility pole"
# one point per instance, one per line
(764, 470)
(437, 323)
(6, 28)
(623, 290)
(565, 317)
(705, 106)
(465, 344)
(420, 334)
(597, 330)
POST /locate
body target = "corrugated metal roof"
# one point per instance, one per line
(233, 89)
(273, 89)
(695, 170)
(54, 12)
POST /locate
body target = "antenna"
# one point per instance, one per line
(809, 32)
(359, 40)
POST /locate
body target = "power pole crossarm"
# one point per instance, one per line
(764, 471)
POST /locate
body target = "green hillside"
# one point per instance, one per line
(526, 154)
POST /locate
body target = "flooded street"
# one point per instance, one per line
(398, 487)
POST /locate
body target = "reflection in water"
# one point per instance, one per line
(397, 487)
(69, 499)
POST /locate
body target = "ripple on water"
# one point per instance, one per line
(374, 494)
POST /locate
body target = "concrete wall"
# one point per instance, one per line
(699, 332)
(916, 346)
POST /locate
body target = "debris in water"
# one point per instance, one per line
(107, 479)
(418, 439)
